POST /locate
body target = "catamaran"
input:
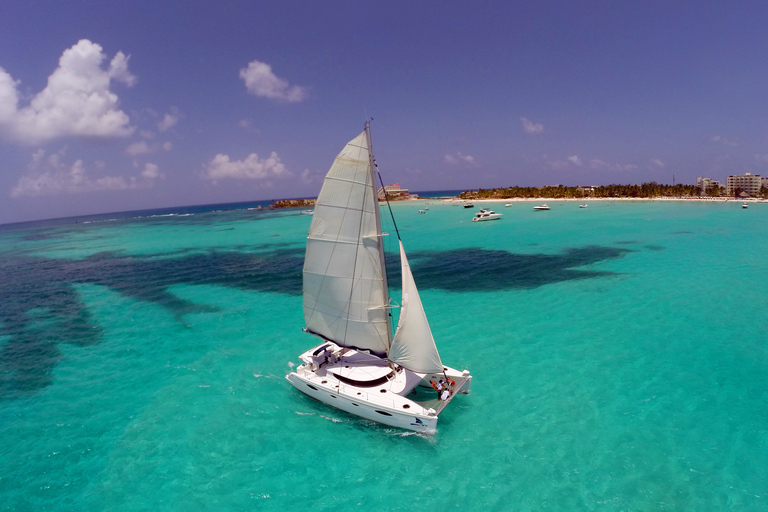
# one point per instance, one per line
(360, 366)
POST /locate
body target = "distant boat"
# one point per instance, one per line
(360, 365)
(508, 205)
(583, 206)
(422, 211)
(468, 205)
(307, 212)
(744, 205)
(486, 215)
(541, 207)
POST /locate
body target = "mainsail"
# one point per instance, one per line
(345, 283)
(413, 346)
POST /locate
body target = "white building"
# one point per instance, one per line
(747, 182)
(394, 192)
(705, 184)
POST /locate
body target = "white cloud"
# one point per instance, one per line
(252, 168)
(761, 158)
(151, 171)
(657, 162)
(9, 97)
(48, 175)
(575, 160)
(724, 140)
(76, 102)
(460, 158)
(143, 148)
(168, 121)
(306, 177)
(261, 81)
(532, 128)
(138, 148)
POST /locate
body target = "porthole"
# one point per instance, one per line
(325, 382)
(311, 387)
(406, 406)
(353, 403)
(384, 413)
(383, 391)
(333, 396)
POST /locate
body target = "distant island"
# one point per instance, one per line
(292, 203)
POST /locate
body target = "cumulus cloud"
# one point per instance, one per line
(530, 127)
(575, 160)
(168, 121)
(76, 102)
(261, 81)
(143, 148)
(49, 175)
(252, 168)
(460, 158)
(151, 171)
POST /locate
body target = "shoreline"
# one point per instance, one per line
(591, 199)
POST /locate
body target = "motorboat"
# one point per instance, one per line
(485, 214)
(307, 212)
(541, 207)
(583, 206)
(508, 205)
(744, 205)
(468, 205)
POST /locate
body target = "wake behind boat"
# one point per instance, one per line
(361, 367)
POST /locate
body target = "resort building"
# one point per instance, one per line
(393, 191)
(707, 184)
(747, 182)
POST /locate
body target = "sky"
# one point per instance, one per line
(118, 106)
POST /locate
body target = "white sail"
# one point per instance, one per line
(345, 287)
(413, 347)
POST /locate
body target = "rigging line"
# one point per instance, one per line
(393, 328)
(386, 197)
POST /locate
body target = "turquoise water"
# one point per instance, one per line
(619, 358)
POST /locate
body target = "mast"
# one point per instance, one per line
(372, 170)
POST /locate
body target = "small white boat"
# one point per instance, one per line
(744, 205)
(422, 211)
(307, 212)
(541, 207)
(508, 205)
(486, 215)
(583, 206)
(468, 205)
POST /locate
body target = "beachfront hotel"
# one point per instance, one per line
(747, 182)
(706, 184)
(393, 192)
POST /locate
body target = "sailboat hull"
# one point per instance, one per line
(367, 386)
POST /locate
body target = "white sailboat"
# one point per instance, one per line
(361, 367)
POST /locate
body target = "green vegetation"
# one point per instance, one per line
(646, 190)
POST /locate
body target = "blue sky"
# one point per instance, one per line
(113, 106)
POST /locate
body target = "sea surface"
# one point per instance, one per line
(619, 355)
